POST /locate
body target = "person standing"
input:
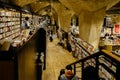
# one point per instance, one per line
(26, 27)
(41, 44)
(51, 37)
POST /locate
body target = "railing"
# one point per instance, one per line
(106, 64)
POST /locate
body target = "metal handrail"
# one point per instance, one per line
(86, 58)
(113, 58)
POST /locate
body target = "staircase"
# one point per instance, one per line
(106, 64)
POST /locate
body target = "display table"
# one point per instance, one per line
(112, 47)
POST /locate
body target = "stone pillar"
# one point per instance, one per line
(65, 20)
(90, 25)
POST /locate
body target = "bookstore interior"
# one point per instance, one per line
(110, 34)
(109, 39)
(12, 34)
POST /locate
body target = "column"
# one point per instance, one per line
(90, 25)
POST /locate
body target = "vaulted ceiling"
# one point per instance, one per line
(44, 6)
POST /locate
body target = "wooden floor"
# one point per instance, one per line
(57, 58)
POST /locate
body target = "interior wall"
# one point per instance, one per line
(64, 17)
(90, 25)
(65, 21)
(55, 15)
(84, 24)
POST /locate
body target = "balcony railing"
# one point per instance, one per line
(106, 64)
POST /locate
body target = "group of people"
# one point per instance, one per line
(89, 73)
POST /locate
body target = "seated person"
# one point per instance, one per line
(60, 43)
(69, 74)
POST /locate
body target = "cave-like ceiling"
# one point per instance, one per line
(35, 6)
(114, 10)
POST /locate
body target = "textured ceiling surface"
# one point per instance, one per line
(74, 5)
